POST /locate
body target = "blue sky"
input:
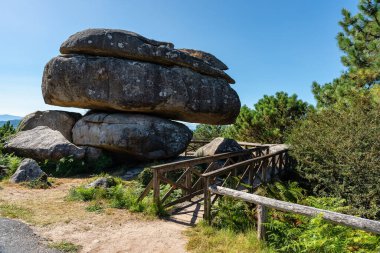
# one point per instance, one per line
(269, 46)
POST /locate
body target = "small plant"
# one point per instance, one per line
(96, 207)
(120, 196)
(65, 247)
(11, 162)
(14, 212)
(233, 214)
(37, 184)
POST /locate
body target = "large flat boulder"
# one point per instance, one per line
(143, 137)
(107, 83)
(56, 120)
(130, 45)
(42, 143)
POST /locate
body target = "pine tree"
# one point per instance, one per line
(360, 43)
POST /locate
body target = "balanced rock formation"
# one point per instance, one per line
(217, 146)
(125, 44)
(107, 83)
(140, 136)
(56, 120)
(27, 171)
(43, 143)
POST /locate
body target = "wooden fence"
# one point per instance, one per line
(246, 175)
(263, 203)
(190, 180)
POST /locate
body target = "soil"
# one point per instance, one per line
(55, 219)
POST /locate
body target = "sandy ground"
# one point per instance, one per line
(55, 219)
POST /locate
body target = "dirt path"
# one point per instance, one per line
(55, 219)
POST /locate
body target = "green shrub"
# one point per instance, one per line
(120, 196)
(337, 150)
(145, 176)
(12, 162)
(69, 166)
(289, 232)
(233, 214)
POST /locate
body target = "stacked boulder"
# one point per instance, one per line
(134, 88)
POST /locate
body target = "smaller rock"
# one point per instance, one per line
(42, 143)
(27, 171)
(277, 147)
(56, 120)
(92, 154)
(217, 146)
(103, 182)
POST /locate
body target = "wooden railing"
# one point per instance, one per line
(190, 180)
(263, 203)
(246, 175)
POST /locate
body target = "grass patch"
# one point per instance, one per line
(123, 195)
(207, 239)
(14, 212)
(96, 207)
(65, 246)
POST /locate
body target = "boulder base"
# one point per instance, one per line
(107, 83)
(42, 143)
(139, 136)
(56, 120)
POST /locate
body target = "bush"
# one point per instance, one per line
(232, 214)
(337, 151)
(69, 166)
(11, 162)
(289, 232)
(119, 196)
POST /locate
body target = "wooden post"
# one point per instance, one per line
(188, 181)
(156, 187)
(207, 200)
(262, 214)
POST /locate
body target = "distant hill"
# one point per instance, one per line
(6, 117)
(14, 122)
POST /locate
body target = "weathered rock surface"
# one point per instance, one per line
(42, 143)
(207, 57)
(27, 171)
(56, 120)
(102, 182)
(107, 83)
(92, 154)
(217, 146)
(125, 44)
(140, 136)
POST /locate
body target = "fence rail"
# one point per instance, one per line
(191, 181)
(247, 175)
(264, 202)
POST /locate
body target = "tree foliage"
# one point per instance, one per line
(208, 132)
(338, 149)
(270, 120)
(360, 43)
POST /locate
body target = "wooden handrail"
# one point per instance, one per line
(207, 159)
(239, 164)
(338, 218)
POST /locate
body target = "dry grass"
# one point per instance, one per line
(206, 239)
